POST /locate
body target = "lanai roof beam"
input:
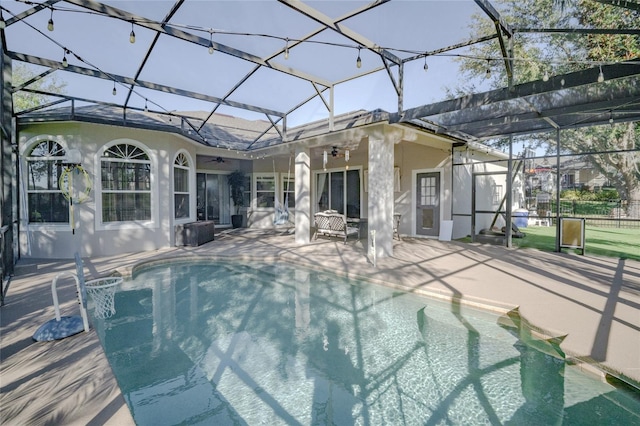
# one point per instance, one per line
(172, 12)
(502, 28)
(574, 79)
(140, 83)
(166, 28)
(342, 30)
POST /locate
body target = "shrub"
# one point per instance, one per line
(582, 195)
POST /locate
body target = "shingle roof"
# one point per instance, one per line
(220, 130)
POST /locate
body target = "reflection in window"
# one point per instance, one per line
(428, 191)
(126, 184)
(498, 192)
(288, 192)
(336, 191)
(181, 187)
(213, 198)
(265, 191)
(47, 203)
(331, 188)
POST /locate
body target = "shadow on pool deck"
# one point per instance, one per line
(592, 304)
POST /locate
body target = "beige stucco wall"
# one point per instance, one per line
(411, 158)
(92, 237)
(413, 153)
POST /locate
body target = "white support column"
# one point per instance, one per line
(381, 198)
(303, 196)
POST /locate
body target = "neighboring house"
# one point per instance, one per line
(133, 179)
(575, 173)
(578, 174)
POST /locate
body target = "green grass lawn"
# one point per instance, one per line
(612, 242)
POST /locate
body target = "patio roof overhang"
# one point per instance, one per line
(563, 102)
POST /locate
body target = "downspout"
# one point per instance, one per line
(473, 203)
(557, 190)
(451, 183)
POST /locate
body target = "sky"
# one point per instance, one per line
(103, 44)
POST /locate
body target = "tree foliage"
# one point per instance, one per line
(536, 53)
(610, 47)
(26, 100)
(555, 53)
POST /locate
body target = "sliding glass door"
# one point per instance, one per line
(339, 190)
(214, 201)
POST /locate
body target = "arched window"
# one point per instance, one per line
(47, 203)
(181, 186)
(126, 184)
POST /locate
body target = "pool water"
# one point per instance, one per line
(232, 343)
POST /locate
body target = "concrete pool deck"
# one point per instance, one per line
(591, 304)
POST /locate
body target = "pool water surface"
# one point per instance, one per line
(238, 343)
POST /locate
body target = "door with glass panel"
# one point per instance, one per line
(428, 204)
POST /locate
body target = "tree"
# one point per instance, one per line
(615, 161)
(538, 53)
(26, 100)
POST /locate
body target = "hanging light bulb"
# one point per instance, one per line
(3, 23)
(359, 61)
(114, 91)
(146, 108)
(562, 82)
(65, 63)
(211, 49)
(611, 117)
(545, 77)
(600, 75)
(286, 49)
(50, 23)
(426, 66)
(488, 73)
(132, 35)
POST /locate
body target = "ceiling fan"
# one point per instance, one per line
(217, 160)
(337, 153)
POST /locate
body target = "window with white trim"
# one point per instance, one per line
(126, 184)
(47, 203)
(265, 190)
(288, 192)
(181, 186)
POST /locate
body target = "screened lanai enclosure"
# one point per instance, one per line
(509, 112)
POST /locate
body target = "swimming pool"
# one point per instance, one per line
(238, 343)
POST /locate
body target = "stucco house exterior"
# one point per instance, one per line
(97, 183)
